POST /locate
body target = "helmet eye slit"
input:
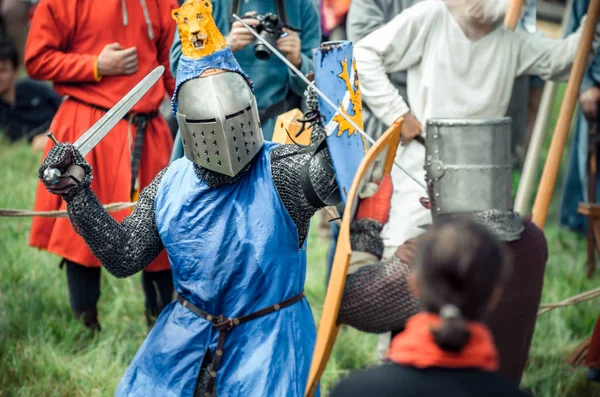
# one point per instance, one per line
(204, 121)
(238, 113)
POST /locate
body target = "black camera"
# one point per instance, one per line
(269, 28)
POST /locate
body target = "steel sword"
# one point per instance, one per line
(105, 124)
(325, 98)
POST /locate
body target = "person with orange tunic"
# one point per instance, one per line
(95, 52)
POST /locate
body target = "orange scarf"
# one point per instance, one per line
(416, 347)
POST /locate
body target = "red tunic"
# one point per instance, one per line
(65, 38)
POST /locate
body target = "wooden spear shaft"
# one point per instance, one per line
(513, 14)
(563, 125)
(529, 175)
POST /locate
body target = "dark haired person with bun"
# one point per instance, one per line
(446, 349)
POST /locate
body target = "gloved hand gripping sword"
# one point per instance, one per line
(56, 170)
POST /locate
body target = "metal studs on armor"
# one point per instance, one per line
(236, 321)
(213, 374)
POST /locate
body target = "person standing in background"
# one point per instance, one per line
(333, 19)
(16, 15)
(575, 187)
(95, 52)
(364, 17)
(461, 63)
(277, 89)
(459, 273)
(26, 107)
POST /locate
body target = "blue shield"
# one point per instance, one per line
(336, 77)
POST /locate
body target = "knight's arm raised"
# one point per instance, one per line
(123, 248)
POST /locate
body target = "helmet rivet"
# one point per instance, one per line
(436, 151)
(439, 168)
(437, 195)
(438, 209)
(435, 137)
(468, 168)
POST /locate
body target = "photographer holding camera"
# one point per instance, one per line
(292, 26)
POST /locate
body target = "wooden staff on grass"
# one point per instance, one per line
(563, 125)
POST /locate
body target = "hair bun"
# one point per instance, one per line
(450, 312)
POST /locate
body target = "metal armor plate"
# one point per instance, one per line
(468, 165)
(219, 122)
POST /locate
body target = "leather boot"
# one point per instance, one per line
(89, 317)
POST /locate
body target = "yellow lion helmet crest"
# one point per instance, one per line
(197, 29)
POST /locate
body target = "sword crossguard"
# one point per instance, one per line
(51, 175)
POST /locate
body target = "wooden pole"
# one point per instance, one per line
(563, 125)
(529, 174)
(513, 14)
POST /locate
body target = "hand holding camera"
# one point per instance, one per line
(290, 46)
(239, 37)
(272, 30)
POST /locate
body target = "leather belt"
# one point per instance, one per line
(224, 324)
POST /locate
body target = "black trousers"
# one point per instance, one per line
(84, 288)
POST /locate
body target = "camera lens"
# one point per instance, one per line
(262, 52)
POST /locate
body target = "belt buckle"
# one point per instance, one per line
(223, 323)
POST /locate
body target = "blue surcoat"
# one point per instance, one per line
(233, 251)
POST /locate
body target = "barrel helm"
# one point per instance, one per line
(213, 100)
(219, 122)
(469, 172)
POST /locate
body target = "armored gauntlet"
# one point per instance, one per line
(74, 173)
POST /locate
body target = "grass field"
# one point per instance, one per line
(44, 352)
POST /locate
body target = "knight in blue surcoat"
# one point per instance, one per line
(233, 216)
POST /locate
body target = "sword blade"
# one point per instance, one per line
(96, 132)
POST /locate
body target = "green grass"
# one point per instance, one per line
(44, 352)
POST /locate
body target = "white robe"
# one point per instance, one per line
(449, 76)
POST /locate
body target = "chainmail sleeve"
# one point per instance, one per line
(287, 178)
(377, 298)
(287, 164)
(126, 248)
